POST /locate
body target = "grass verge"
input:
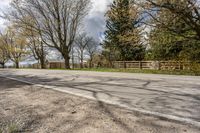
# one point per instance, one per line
(146, 71)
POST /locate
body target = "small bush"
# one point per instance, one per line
(195, 68)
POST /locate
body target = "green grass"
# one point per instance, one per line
(13, 128)
(147, 71)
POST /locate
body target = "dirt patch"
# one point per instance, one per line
(25, 108)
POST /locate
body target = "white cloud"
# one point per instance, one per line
(4, 2)
(3, 5)
(95, 21)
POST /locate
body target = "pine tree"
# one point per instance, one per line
(122, 39)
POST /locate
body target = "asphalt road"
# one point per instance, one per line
(29, 109)
(171, 95)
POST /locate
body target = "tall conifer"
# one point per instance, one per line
(123, 34)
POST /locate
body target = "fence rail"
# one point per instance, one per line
(154, 65)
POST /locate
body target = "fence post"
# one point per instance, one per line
(180, 65)
(60, 65)
(140, 64)
(125, 64)
(159, 65)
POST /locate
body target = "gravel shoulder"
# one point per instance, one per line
(25, 108)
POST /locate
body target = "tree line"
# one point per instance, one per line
(44, 25)
(135, 30)
(153, 30)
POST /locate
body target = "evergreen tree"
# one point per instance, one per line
(122, 39)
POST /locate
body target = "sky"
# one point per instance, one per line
(3, 5)
(94, 22)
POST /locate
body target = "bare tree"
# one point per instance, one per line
(3, 51)
(81, 43)
(56, 20)
(15, 44)
(92, 48)
(37, 46)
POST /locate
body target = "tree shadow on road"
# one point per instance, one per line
(163, 101)
(6, 84)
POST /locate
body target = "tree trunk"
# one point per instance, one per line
(73, 59)
(110, 60)
(81, 62)
(110, 64)
(91, 60)
(81, 65)
(42, 63)
(3, 65)
(90, 63)
(67, 63)
(17, 64)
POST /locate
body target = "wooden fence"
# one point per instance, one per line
(55, 65)
(154, 65)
